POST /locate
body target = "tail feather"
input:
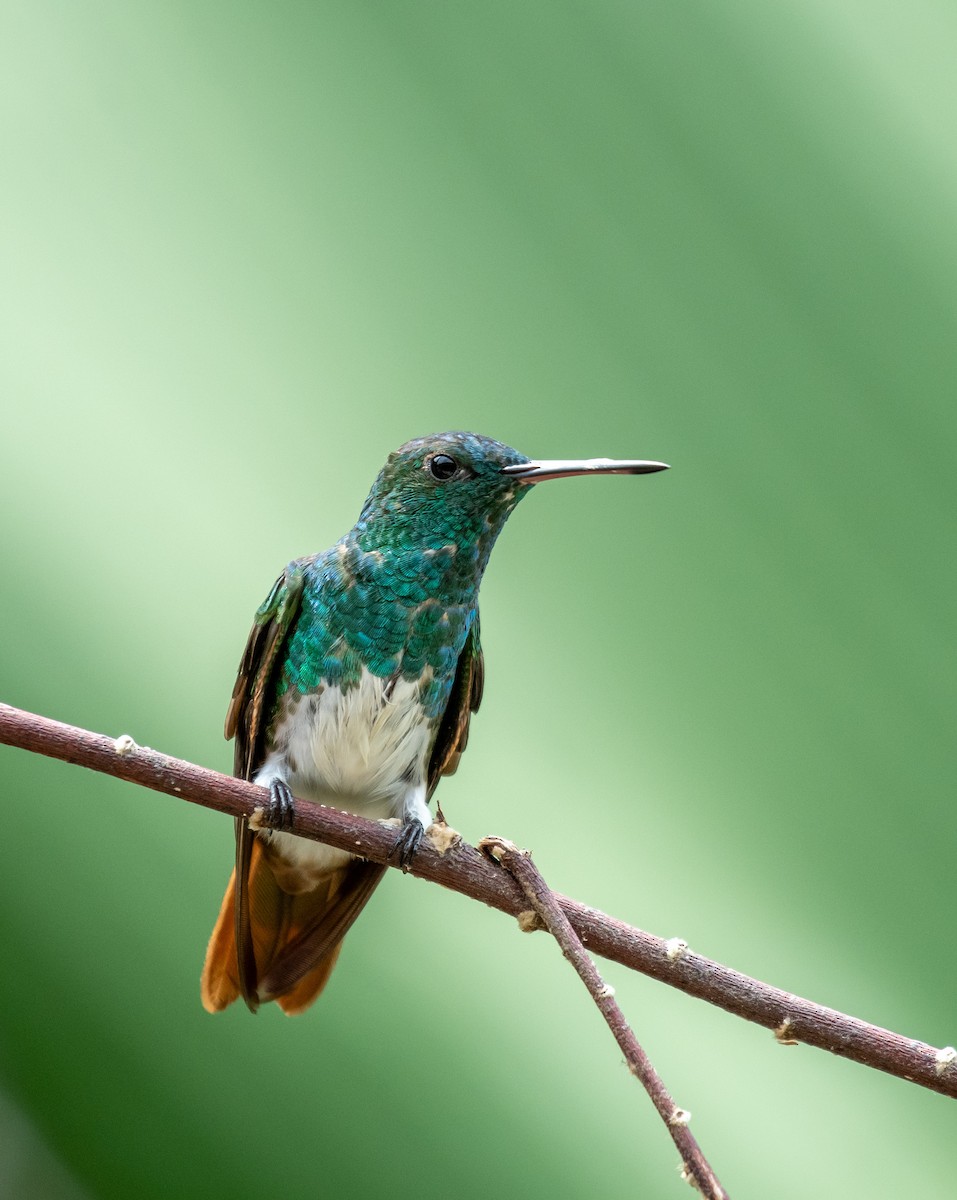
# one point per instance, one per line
(295, 938)
(219, 985)
(299, 998)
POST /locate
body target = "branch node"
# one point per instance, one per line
(124, 745)
(944, 1058)
(257, 818)
(676, 948)
(686, 1176)
(605, 992)
(680, 1117)
(529, 921)
(499, 848)
(782, 1034)
(442, 836)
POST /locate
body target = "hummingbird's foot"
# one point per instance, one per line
(407, 843)
(281, 811)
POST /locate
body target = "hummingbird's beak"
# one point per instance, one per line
(559, 468)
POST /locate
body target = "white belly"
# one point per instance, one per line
(363, 750)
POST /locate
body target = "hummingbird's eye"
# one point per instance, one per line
(442, 466)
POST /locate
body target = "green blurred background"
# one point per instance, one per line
(247, 250)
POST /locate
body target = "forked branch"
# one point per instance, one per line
(519, 865)
(463, 869)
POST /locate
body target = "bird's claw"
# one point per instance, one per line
(281, 810)
(407, 843)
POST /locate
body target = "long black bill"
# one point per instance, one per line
(559, 468)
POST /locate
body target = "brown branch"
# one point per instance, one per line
(463, 869)
(544, 901)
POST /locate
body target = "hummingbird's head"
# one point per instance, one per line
(459, 489)
(447, 489)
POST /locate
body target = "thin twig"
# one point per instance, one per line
(463, 869)
(520, 866)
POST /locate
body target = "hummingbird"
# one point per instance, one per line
(355, 690)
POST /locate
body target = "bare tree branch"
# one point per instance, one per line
(543, 900)
(463, 869)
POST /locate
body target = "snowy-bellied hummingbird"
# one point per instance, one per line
(355, 690)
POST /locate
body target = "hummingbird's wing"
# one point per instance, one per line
(246, 720)
(271, 625)
(464, 699)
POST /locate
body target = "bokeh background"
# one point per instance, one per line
(247, 250)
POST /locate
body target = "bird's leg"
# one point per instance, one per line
(415, 819)
(405, 845)
(281, 811)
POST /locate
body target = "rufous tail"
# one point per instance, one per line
(296, 939)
